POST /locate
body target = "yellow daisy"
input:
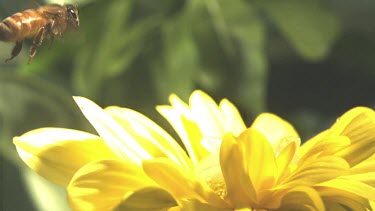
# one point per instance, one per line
(132, 164)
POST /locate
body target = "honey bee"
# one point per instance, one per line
(49, 20)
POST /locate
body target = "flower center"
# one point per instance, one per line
(209, 170)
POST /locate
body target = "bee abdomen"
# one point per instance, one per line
(7, 30)
(21, 25)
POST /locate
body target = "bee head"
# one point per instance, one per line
(72, 16)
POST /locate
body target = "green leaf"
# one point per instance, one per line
(180, 59)
(309, 25)
(248, 32)
(109, 51)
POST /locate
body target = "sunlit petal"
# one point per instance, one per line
(239, 187)
(103, 185)
(259, 159)
(57, 154)
(358, 125)
(118, 139)
(277, 131)
(316, 170)
(182, 184)
(187, 130)
(233, 120)
(149, 135)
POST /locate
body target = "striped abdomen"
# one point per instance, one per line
(21, 25)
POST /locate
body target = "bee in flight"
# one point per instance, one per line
(49, 20)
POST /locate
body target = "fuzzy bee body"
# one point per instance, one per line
(50, 20)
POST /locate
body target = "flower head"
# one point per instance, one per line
(133, 164)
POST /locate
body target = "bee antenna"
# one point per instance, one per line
(36, 3)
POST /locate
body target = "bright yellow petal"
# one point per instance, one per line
(147, 199)
(103, 185)
(149, 135)
(339, 199)
(358, 125)
(316, 170)
(363, 172)
(119, 140)
(57, 153)
(359, 188)
(241, 192)
(259, 159)
(302, 198)
(323, 145)
(277, 131)
(285, 158)
(181, 183)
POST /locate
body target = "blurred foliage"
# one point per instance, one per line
(307, 61)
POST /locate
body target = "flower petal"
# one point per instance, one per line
(57, 153)
(233, 120)
(182, 184)
(359, 188)
(285, 158)
(316, 170)
(302, 198)
(259, 159)
(241, 191)
(187, 130)
(194, 205)
(338, 199)
(147, 199)
(149, 135)
(277, 131)
(119, 140)
(359, 125)
(102, 185)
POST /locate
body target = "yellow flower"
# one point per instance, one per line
(135, 165)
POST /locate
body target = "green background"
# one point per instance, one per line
(307, 61)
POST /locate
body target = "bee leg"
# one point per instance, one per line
(38, 39)
(16, 50)
(52, 38)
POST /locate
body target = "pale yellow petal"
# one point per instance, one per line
(103, 185)
(233, 120)
(241, 192)
(149, 135)
(207, 115)
(182, 184)
(302, 198)
(57, 153)
(147, 199)
(277, 131)
(187, 130)
(119, 140)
